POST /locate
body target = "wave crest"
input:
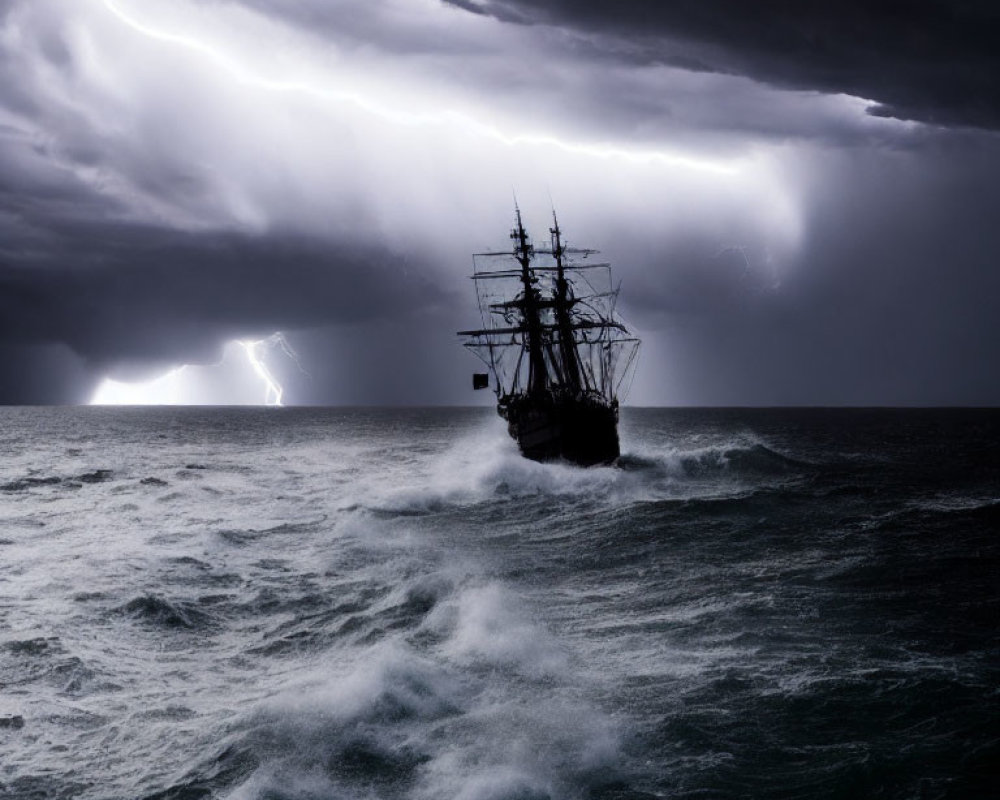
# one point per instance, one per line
(488, 468)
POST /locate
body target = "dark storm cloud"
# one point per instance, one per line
(40, 374)
(119, 244)
(892, 298)
(226, 168)
(79, 271)
(935, 62)
(147, 293)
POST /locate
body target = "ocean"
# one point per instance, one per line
(300, 603)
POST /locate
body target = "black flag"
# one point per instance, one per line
(480, 380)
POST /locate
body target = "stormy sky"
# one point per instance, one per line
(800, 198)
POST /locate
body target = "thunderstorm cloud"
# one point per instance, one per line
(799, 198)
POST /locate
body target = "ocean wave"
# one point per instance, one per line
(245, 536)
(375, 605)
(957, 504)
(466, 694)
(29, 482)
(921, 514)
(402, 724)
(487, 626)
(158, 611)
(487, 468)
(38, 646)
(76, 481)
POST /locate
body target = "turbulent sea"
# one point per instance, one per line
(333, 603)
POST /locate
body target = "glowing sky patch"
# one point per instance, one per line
(176, 387)
(241, 377)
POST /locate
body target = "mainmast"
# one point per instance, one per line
(523, 252)
(562, 301)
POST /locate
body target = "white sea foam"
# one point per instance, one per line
(487, 625)
(491, 710)
(485, 465)
(490, 783)
(389, 681)
(544, 746)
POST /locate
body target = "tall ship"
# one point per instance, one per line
(557, 353)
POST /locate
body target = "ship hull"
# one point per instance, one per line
(547, 429)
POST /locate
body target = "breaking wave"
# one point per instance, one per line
(486, 467)
(470, 699)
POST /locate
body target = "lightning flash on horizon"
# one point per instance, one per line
(273, 390)
(192, 384)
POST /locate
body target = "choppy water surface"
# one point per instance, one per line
(302, 603)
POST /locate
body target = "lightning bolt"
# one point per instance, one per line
(441, 117)
(273, 390)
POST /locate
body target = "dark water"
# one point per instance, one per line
(301, 603)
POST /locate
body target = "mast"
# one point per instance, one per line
(557, 338)
(562, 301)
(532, 322)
